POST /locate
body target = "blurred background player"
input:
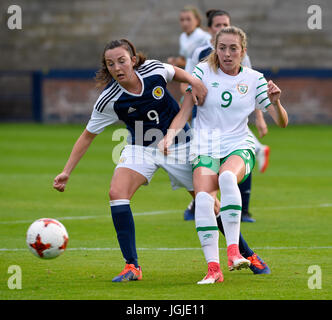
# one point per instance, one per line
(192, 37)
(216, 20)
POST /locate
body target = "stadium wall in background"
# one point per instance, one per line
(68, 96)
(47, 67)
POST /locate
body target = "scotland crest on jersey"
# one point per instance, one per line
(158, 92)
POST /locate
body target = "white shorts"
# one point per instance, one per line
(146, 161)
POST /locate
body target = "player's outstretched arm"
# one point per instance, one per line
(276, 110)
(177, 124)
(80, 147)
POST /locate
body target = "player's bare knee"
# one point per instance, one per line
(116, 193)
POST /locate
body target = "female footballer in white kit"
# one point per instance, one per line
(223, 150)
(216, 20)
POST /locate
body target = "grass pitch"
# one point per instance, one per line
(291, 201)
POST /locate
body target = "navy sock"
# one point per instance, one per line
(125, 228)
(244, 248)
(243, 245)
(245, 189)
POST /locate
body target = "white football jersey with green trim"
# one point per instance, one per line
(222, 121)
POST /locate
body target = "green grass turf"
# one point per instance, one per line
(291, 202)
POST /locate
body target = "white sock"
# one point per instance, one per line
(119, 202)
(230, 207)
(206, 226)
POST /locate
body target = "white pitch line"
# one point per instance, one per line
(58, 218)
(176, 249)
(151, 213)
(93, 217)
(322, 205)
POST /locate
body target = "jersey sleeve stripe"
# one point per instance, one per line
(100, 107)
(200, 70)
(262, 85)
(261, 78)
(260, 93)
(149, 70)
(105, 104)
(150, 65)
(147, 64)
(197, 75)
(263, 100)
(268, 105)
(106, 97)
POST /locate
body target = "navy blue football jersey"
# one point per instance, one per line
(154, 108)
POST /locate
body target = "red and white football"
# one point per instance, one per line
(47, 238)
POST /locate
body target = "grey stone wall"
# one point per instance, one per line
(72, 33)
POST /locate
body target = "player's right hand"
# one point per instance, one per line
(60, 181)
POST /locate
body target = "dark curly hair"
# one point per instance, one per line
(103, 77)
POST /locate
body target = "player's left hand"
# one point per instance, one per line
(199, 91)
(273, 92)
